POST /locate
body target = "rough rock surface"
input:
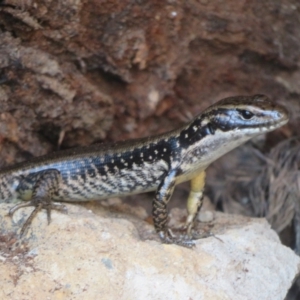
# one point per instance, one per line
(105, 253)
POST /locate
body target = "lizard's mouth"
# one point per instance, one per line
(277, 124)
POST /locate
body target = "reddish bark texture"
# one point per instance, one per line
(76, 72)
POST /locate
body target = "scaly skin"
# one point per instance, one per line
(150, 164)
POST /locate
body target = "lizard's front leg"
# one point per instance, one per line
(195, 200)
(160, 212)
(44, 185)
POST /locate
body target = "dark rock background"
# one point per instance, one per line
(76, 72)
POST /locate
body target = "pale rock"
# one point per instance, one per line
(95, 252)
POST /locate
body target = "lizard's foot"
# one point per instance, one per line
(197, 235)
(39, 204)
(168, 237)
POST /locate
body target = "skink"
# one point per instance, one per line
(155, 163)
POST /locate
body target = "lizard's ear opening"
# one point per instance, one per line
(211, 129)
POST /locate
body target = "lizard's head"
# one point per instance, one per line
(230, 123)
(250, 116)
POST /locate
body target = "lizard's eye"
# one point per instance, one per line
(246, 114)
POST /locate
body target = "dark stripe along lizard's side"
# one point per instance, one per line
(148, 164)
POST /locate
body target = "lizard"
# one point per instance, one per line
(156, 163)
